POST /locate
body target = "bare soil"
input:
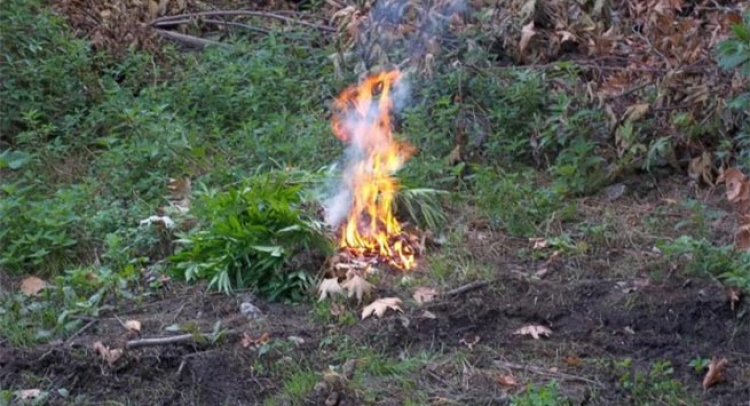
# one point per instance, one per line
(618, 300)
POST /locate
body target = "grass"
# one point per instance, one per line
(81, 170)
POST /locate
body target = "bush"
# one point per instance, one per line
(254, 236)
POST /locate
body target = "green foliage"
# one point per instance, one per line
(656, 387)
(250, 236)
(704, 258)
(47, 72)
(515, 202)
(546, 395)
(734, 54)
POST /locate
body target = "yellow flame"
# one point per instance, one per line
(363, 117)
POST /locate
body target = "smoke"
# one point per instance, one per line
(383, 29)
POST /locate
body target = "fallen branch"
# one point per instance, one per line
(465, 288)
(189, 39)
(542, 371)
(212, 21)
(183, 338)
(223, 13)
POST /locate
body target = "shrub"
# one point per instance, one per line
(253, 236)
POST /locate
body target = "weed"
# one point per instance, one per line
(657, 387)
(546, 395)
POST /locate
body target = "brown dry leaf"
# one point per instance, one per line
(109, 355)
(248, 340)
(714, 374)
(742, 237)
(32, 285)
(636, 112)
(424, 295)
(328, 288)
(133, 325)
(534, 331)
(455, 156)
(526, 33)
(701, 168)
(357, 286)
(506, 380)
(736, 183)
(573, 361)
(379, 307)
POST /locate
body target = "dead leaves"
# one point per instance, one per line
(424, 295)
(715, 372)
(527, 32)
(32, 285)
(109, 355)
(248, 340)
(738, 194)
(329, 288)
(357, 286)
(533, 330)
(133, 326)
(380, 306)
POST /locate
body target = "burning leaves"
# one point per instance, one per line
(365, 202)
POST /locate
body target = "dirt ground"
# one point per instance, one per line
(618, 300)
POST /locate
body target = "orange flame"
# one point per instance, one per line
(362, 118)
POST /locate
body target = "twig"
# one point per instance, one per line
(183, 338)
(81, 331)
(465, 288)
(212, 21)
(220, 13)
(541, 371)
(189, 39)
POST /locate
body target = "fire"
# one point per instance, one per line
(362, 118)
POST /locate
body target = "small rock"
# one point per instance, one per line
(250, 311)
(614, 192)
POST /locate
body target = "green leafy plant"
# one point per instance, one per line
(656, 387)
(545, 395)
(253, 236)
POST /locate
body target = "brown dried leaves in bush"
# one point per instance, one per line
(738, 194)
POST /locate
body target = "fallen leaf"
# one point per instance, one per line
(28, 394)
(248, 340)
(379, 307)
(32, 285)
(538, 243)
(506, 380)
(734, 296)
(109, 355)
(429, 315)
(736, 184)
(526, 33)
(455, 156)
(702, 168)
(133, 325)
(573, 361)
(424, 295)
(328, 288)
(534, 331)
(357, 286)
(470, 340)
(714, 374)
(636, 111)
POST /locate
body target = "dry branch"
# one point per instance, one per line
(183, 338)
(465, 288)
(225, 13)
(542, 371)
(212, 21)
(189, 39)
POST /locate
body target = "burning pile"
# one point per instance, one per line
(362, 119)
